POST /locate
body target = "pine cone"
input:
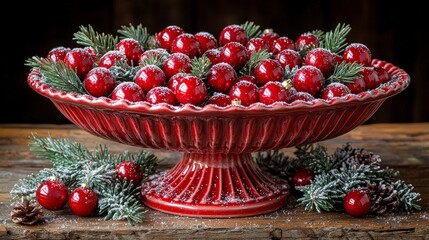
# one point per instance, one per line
(27, 213)
(384, 197)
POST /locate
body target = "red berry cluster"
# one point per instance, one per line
(53, 194)
(356, 202)
(224, 84)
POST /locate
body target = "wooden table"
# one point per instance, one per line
(405, 147)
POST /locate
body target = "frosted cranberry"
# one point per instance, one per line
(99, 82)
(167, 35)
(334, 90)
(58, 54)
(289, 58)
(80, 61)
(221, 77)
(273, 92)
(370, 77)
(161, 95)
(110, 58)
(233, 33)
(207, 41)
(191, 89)
(132, 50)
(129, 91)
(308, 79)
(220, 99)
(175, 63)
(269, 37)
(301, 96)
(150, 76)
(321, 59)
(174, 81)
(213, 55)
(255, 45)
(282, 43)
(244, 93)
(358, 53)
(307, 41)
(186, 44)
(268, 70)
(234, 54)
(158, 53)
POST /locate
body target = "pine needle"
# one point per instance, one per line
(345, 72)
(251, 29)
(101, 43)
(200, 67)
(57, 75)
(335, 41)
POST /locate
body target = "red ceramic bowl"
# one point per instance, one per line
(216, 177)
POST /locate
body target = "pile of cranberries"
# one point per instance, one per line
(171, 82)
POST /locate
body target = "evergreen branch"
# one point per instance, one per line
(254, 59)
(345, 72)
(138, 33)
(101, 43)
(147, 161)
(120, 202)
(335, 41)
(251, 29)
(315, 157)
(61, 152)
(409, 199)
(153, 59)
(124, 72)
(200, 67)
(95, 175)
(320, 195)
(57, 75)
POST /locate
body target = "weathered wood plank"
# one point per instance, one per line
(404, 147)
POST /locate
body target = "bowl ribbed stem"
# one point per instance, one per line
(215, 185)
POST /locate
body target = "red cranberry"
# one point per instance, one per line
(129, 91)
(244, 93)
(161, 95)
(165, 37)
(175, 63)
(187, 44)
(308, 79)
(234, 54)
(273, 92)
(99, 82)
(191, 89)
(233, 33)
(220, 99)
(357, 52)
(289, 58)
(321, 59)
(207, 41)
(268, 70)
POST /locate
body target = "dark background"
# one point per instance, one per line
(395, 33)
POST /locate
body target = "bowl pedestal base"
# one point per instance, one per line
(215, 185)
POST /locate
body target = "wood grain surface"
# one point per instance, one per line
(404, 147)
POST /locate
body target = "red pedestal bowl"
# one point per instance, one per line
(217, 177)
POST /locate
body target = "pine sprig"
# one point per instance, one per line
(57, 75)
(153, 59)
(335, 41)
(61, 152)
(254, 59)
(138, 33)
(75, 165)
(345, 72)
(200, 67)
(251, 29)
(100, 42)
(120, 202)
(315, 157)
(347, 169)
(124, 72)
(321, 195)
